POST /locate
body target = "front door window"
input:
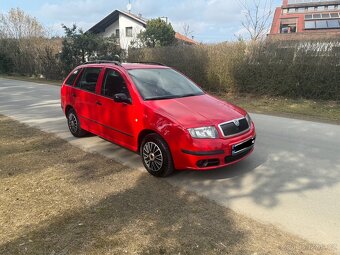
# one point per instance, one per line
(114, 84)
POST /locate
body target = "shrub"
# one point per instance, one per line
(291, 69)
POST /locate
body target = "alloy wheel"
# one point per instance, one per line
(73, 123)
(152, 156)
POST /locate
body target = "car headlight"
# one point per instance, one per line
(249, 119)
(203, 132)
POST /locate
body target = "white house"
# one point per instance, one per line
(122, 25)
(125, 27)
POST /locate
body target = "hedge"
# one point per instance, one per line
(308, 70)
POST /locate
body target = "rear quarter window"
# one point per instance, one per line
(71, 79)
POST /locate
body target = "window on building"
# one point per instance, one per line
(322, 16)
(117, 32)
(284, 11)
(288, 26)
(128, 31)
(321, 24)
(309, 24)
(311, 9)
(301, 9)
(333, 23)
(291, 10)
(331, 7)
(320, 8)
(284, 29)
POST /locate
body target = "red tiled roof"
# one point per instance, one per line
(185, 39)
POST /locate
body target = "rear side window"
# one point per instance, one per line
(72, 78)
(89, 79)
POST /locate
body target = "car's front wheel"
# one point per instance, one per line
(74, 124)
(156, 156)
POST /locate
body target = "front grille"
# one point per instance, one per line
(231, 128)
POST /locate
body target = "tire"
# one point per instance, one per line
(74, 124)
(156, 156)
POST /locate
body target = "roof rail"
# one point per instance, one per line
(103, 62)
(149, 63)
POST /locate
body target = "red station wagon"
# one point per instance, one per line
(157, 112)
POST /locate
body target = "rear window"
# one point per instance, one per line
(72, 78)
(89, 78)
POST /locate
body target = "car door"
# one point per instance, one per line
(86, 98)
(116, 118)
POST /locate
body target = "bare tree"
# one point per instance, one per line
(18, 25)
(257, 16)
(24, 43)
(187, 31)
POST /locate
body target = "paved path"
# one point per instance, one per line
(292, 180)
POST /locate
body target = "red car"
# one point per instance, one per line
(154, 110)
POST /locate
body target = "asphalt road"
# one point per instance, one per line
(292, 180)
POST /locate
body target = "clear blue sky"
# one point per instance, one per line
(210, 20)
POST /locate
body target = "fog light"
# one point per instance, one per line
(208, 162)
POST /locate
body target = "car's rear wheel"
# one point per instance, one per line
(74, 124)
(156, 156)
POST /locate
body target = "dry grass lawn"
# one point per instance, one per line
(324, 111)
(57, 199)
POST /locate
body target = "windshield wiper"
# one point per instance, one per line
(173, 96)
(191, 95)
(161, 97)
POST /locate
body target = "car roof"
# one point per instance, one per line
(127, 66)
(130, 66)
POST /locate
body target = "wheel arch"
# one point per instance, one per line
(67, 108)
(144, 133)
(165, 169)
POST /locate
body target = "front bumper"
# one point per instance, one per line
(207, 154)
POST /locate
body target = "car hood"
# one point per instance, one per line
(197, 111)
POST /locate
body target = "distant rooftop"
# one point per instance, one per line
(310, 1)
(114, 16)
(111, 18)
(185, 39)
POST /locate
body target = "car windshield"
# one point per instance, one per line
(158, 84)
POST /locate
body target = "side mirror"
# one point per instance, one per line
(121, 98)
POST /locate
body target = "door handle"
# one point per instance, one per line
(98, 103)
(74, 95)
